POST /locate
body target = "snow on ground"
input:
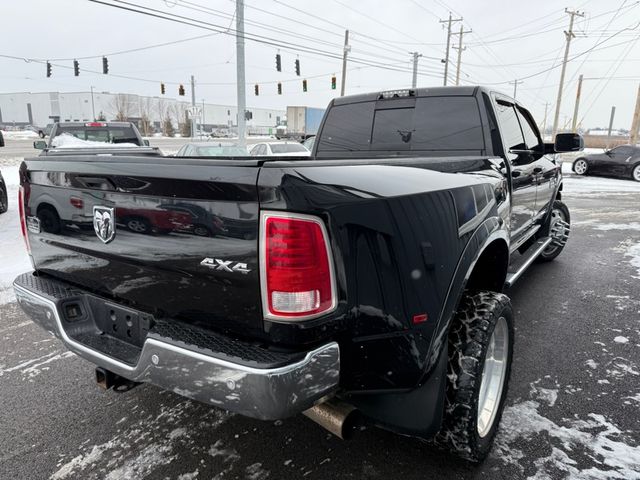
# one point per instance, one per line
(13, 254)
(34, 367)
(611, 452)
(121, 457)
(593, 186)
(634, 253)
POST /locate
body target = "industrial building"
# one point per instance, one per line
(40, 109)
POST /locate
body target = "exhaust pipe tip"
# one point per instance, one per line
(338, 417)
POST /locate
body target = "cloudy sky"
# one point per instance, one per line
(509, 40)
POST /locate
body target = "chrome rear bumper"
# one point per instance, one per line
(263, 393)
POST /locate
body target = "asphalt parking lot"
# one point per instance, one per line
(573, 404)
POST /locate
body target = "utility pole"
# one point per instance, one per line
(613, 114)
(446, 58)
(345, 51)
(93, 107)
(203, 122)
(544, 122)
(568, 35)
(414, 81)
(240, 78)
(635, 124)
(460, 48)
(574, 125)
(515, 84)
(193, 106)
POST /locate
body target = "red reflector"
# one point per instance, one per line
(76, 202)
(23, 218)
(296, 267)
(421, 318)
(95, 124)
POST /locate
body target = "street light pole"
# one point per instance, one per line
(240, 73)
(93, 107)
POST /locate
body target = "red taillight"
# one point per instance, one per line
(297, 274)
(23, 218)
(76, 202)
(95, 124)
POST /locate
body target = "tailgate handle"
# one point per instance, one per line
(97, 183)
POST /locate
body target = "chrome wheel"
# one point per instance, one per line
(636, 173)
(580, 167)
(493, 377)
(559, 229)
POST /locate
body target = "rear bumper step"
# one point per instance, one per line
(210, 368)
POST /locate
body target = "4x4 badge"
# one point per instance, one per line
(104, 223)
(230, 266)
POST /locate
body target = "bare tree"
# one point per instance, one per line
(179, 113)
(165, 117)
(121, 107)
(146, 111)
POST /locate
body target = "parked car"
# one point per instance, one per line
(621, 161)
(1, 139)
(46, 131)
(370, 278)
(4, 199)
(309, 142)
(212, 149)
(282, 149)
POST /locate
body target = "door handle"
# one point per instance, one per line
(537, 170)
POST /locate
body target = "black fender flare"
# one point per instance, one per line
(419, 412)
(491, 230)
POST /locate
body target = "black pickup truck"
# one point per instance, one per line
(367, 278)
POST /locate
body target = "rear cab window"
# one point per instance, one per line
(107, 134)
(287, 148)
(439, 125)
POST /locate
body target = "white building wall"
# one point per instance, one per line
(77, 106)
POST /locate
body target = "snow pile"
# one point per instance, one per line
(13, 254)
(610, 452)
(19, 134)
(66, 140)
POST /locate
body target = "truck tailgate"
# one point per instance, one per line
(175, 237)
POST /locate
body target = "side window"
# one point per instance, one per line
(531, 137)
(509, 127)
(622, 151)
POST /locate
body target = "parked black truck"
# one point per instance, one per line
(366, 278)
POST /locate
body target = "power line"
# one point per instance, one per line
(210, 11)
(128, 6)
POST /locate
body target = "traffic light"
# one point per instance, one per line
(162, 88)
(279, 88)
(304, 85)
(76, 68)
(48, 69)
(105, 65)
(297, 67)
(333, 82)
(181, 90)
(278, 62)
(256, 90)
